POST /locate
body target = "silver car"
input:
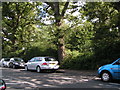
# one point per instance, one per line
(1, 62)
(5, 62)
(42, 63)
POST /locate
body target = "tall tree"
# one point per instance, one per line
(105, 18)
(59, 14)
(18, 25)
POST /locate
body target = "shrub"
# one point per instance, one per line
(77, 60)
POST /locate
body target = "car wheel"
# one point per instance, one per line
(26, 68)
(2, 65)
(106, 76)
(10, 65)
(38, 69)
(14, 66)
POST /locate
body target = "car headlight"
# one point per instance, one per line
(100, 67)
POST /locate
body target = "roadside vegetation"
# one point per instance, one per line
(79, 35)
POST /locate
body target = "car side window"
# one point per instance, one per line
(6, 59)
(32, 60)
(16, 59)
(12, 60)
(38, 59)
(117, 63)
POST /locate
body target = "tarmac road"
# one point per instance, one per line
(21, 79)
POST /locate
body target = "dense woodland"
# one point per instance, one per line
(79, 35)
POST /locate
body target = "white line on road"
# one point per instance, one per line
(19, 81)
(115, 84)
(12, 83)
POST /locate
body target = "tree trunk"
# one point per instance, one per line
(58, 17)
(61, 50)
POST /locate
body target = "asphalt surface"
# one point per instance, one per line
(20, 79)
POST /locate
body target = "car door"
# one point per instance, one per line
(116, 69)
(119, 69)
(30, 63)
(37, 62)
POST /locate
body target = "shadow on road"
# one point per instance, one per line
(45, 71)
(116, 81)
(22, 79)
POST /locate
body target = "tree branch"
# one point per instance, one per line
(64, 9)
(51, 5)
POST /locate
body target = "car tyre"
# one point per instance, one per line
(14, 66)
(26, 68)
(2, 65)
(106, 76)
(10, 65)
(38, 69)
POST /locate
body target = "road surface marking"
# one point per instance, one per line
(115, 84)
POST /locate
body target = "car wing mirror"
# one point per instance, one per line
(2, 85)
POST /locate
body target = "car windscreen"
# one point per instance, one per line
(50, 59)
(18, 60)
(7, 59)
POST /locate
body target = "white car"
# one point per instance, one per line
(12, 62)
(1, 62)
(42, 63)
(4, 62)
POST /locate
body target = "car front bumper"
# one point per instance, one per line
(22, 66)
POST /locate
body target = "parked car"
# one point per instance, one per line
(42, 63)
(110, 71)
(1, 62)
(16, 62)
(12, 62)
(4, 62)
(2, 85)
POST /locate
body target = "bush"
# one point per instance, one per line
(84, 61)
(77, 60)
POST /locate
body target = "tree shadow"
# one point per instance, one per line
(44, 71)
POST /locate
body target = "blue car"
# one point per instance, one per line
(110, 71)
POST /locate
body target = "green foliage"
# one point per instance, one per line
(21, 36)
(106, 38)
(90, 32)
(77, 60)
(80, 37)
(104, 41)
(19, 27)
(37, 51)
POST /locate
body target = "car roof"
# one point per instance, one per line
(44, 57)
(5, 58)
(16, 57)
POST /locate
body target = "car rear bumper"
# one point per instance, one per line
(50, 68)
